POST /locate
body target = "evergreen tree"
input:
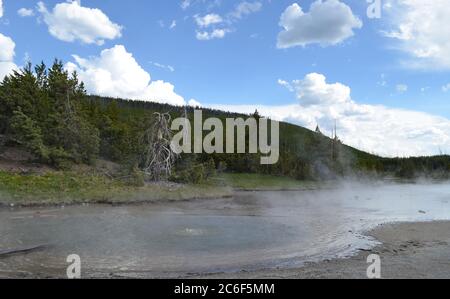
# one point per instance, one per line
(27, 133)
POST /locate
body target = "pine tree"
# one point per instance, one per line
(27, 133)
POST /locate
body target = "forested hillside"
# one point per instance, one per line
(47, 112)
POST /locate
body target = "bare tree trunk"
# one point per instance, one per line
(158, 158)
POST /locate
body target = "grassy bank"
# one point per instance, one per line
(68, 188)
(58, 188)
(260, 182)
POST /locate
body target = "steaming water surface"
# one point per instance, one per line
(251, 230)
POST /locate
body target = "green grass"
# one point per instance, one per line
(58, 188)
(260, 182)
(68, 188)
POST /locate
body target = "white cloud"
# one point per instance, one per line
(115, 73)
(70, 22)
(1, 8)
(421, 29)
(7, 54)
(25, 12)
(194, 103)
(164, 67)
(376, 129)
(286, 84)
(245, 8)
(173, 24)
(328, 22)
(208, 20)
(446, 87)
(7, 48)
(214, 26)
(401, 88)
(185, 4)
(314, 90)
(215, 34)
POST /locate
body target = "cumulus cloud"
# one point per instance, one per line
(214, 26)
(173, 24)
(215, 34)
(245, 8)
(25, 12)
(208, 20)
(286, 84)
(194, 103)
(69, 21)
(185, 4)
(314, 90)
(377, 129)
(7, 47)
(116, 73)
(421, 29)
(328, 22)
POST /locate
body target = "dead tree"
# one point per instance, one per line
(158, 158)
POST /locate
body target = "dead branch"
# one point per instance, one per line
(158, 157)
(21, 250)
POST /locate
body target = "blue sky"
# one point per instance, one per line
(244, 67)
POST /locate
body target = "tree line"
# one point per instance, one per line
(48, 112)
